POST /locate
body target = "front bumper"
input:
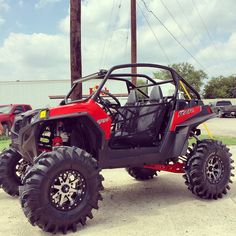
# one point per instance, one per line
(23, 134)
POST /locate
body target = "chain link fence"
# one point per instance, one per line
(4, 143)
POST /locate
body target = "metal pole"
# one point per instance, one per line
(75, 46)
(133, 39)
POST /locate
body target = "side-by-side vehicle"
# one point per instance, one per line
(57, 154)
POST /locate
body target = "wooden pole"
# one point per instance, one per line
(75, 46)
(133, 39)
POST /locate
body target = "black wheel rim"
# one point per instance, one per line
(214, 169)
(67, 190)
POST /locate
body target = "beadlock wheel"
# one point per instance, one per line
(67, 190)
(214, 169)
(61, 189)
(209, 169)
(12, 169)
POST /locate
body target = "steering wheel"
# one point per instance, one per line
(107, 104)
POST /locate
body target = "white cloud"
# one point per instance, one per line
(4, 5)
(20, 3)
(36, 56)
(224, 61)
(43, 3)
(2, 21)
(3, 8)
(101, 27)
(104, 40)
(64, 25)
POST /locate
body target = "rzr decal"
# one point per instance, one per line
(101, 121)
(183, 115)
(186, 112)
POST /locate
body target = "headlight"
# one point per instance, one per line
(43, 114)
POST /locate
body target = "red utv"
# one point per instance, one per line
(8, 113)
(60, 152)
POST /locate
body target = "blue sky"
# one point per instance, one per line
(34, 36)
(32, 17)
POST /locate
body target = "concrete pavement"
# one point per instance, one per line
(162, 206)
(221, 126)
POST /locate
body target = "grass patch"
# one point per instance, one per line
(4, 143)
(4, 138)
(227, 140)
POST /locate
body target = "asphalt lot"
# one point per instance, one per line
(221, 126)
(162, 206)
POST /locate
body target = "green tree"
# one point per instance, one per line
(193, 76)
(221, 87)
(141, 82)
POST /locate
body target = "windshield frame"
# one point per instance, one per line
(80, 81)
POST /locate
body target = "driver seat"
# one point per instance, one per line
(144, 126)
(125, 121)
(126, 113)
(132, 98)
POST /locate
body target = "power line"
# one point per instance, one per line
(109, 28)
(110, 40)
(180, 28)
(154, 15)
(190, 25)
(186, 18)
(202, 21)
(206, 29)
(127, 37)
(158, 41)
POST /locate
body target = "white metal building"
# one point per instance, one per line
(36, 93)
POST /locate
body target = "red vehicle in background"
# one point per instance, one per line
(8, 113)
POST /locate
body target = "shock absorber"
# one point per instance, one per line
(57, 141)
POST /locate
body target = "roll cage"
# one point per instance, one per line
(110, 75)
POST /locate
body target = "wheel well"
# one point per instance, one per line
(87, 135)
(6, 123)
(79, 131)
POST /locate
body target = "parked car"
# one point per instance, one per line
(224, 108)
(1, 129)
(8, 113)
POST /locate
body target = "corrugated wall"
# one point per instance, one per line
(35, 93)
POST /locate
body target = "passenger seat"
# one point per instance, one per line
(150, 118)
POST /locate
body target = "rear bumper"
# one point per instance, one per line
(228, 113)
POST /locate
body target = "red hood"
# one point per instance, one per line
(4, 117)
(90, 107)
(87, 106)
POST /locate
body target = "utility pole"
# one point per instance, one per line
(75, 46)
(133, 39)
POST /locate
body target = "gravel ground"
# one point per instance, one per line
(221, 126)
(162, 206)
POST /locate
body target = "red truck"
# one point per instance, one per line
(8, 113)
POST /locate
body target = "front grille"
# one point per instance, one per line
(17, 126)
(22, 120)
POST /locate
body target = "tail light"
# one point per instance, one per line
(209, 110)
